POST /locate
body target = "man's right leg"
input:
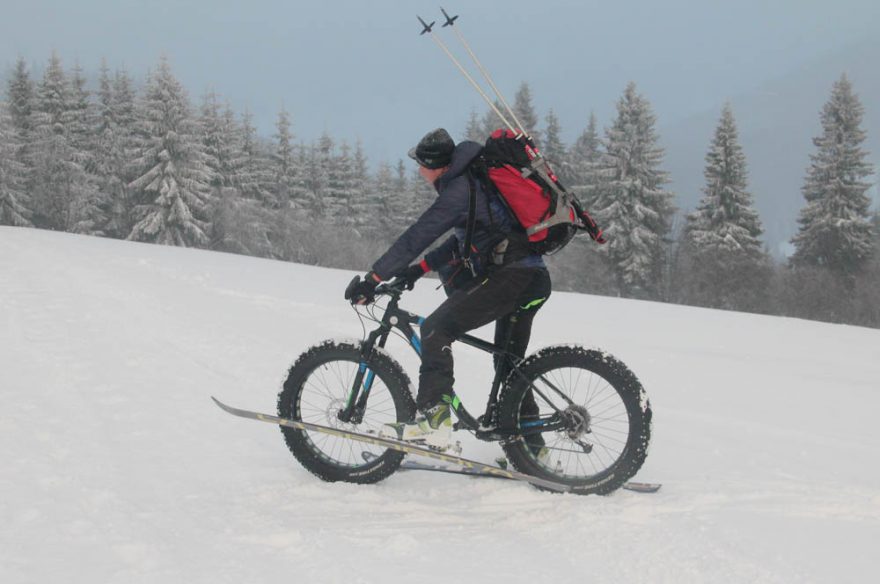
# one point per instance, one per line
(515, 330)
(465, 310)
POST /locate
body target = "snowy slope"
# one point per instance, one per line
(116, 466)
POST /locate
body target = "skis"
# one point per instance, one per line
(637, 487)
(482, 468)
(468, 467)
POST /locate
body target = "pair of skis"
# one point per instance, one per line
(466, 466)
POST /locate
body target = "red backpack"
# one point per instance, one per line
(530, 190)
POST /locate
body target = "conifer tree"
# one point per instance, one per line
(365, 202)
(634, 209)
(385, 193)
(835, 228)
(21, 102)
(553, 148)
(398, 203)
(475, 129)
(421, 195)
(113, 151)
(525, 113)
(318, 167)
(90, 204)
(722, 252)
(284, 166)
(582, 175)
(255, 174)
(172, 175)
(63, 191)
(221, 144)
(725, 220)
(492, 122)
(13, 209)
(21, 96)
(340, 192)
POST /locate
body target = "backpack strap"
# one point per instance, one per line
(471, 223)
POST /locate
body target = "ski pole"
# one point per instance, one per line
(442, 45)
(450, 22)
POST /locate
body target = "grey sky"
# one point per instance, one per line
(360, 70)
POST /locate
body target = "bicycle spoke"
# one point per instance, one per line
(329, 384)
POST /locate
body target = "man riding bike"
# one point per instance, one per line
(498, 279)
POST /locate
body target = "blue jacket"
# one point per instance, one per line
(450, 211)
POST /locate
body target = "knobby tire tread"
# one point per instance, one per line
(386, 369)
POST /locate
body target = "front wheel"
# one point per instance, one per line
(317, 388)
(596, 412)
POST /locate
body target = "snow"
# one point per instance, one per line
(117, 467)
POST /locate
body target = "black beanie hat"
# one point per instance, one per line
(434, 150)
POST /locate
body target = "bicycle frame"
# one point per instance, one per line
(402, 320)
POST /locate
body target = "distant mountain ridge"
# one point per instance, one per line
(777, 123)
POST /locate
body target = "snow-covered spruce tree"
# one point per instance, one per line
(172, 175)
(525, 113)
(285, 168)
(63, 191)
(632, 206)
(13, 203)
(113, 150)
(835, 227)
(474, 129)
(341, 189)
(320, 158)
(492, 122)
(220, 144)
(255, 172)
(222, 140)
(241, 221)
(580, 265)
(383, 189)
(20, 98)
(399, 202)
(90, 204)
(365, 202)
(582, 176)
(553, 148)
(722, 252)
(108, 156)
(21, 103)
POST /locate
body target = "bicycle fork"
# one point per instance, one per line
(356, 403)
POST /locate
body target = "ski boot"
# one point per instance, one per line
(433, 428)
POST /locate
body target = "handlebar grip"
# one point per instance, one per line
(349, 291)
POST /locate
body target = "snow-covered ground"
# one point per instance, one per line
(117, 467)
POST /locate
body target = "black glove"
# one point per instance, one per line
(592, 229)
(412, 274)
(362, 291)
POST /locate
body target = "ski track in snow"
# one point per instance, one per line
(119, 469)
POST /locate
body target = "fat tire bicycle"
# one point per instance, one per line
(593, 415)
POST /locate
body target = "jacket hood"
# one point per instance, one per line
(462, 156)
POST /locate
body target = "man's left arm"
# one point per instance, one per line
(446, 212)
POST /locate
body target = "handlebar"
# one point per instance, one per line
(394, 287)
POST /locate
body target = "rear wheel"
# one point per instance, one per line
(317, 388)
(600, 410)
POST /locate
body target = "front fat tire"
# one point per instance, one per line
(327, 357)
(593, 364)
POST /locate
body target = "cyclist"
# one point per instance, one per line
(500, 280)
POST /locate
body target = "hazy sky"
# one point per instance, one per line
(359, 69)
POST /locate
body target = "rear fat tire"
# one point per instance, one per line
(613, 373)
(320, 361)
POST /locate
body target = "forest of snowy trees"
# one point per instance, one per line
(140, 161)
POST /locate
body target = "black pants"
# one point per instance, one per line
(509, 296)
